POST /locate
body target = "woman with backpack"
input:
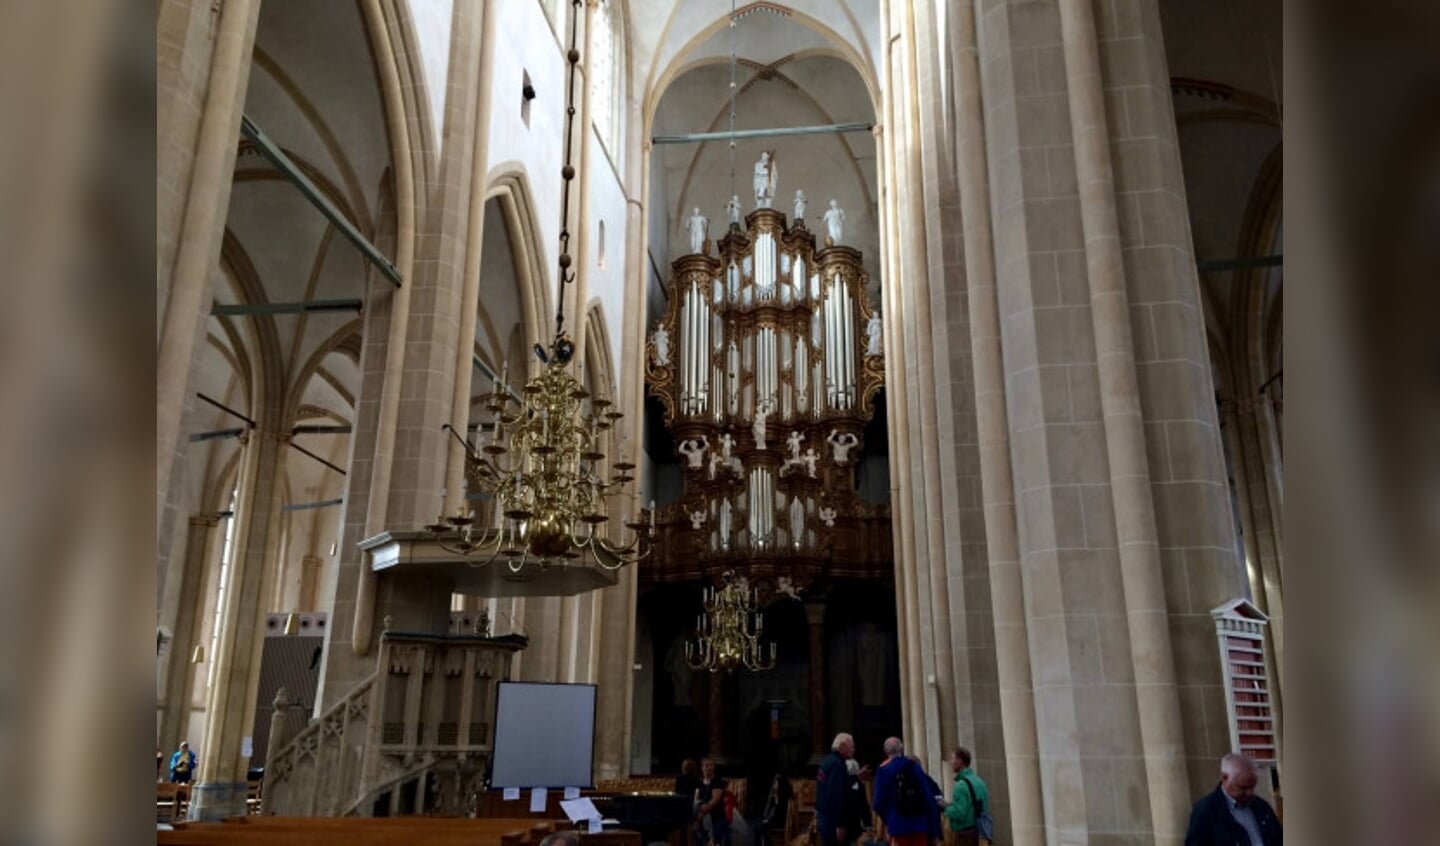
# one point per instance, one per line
(904, 799)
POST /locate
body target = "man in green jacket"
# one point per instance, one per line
(961, 810)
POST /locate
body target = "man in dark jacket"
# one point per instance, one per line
(1233, 815)
(831, 789)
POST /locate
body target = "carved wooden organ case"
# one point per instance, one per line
(763, 364)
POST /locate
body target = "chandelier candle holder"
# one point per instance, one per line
(728, 629)
(538, 465)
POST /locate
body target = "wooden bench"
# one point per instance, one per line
(357, 831)
(172, 801)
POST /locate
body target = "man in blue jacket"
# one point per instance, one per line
(1233, 815)
(905, 798)
(831, 790)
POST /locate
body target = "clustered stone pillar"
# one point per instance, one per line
(1139, 551)
(1007, 599)
(178, 675)
(191, 214)
(230, 709)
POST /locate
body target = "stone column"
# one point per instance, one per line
(474, 248)
(177, 676)
(230, 708)
(898, 355)
(388, 320)
(309, 582)
(1194, 531)
(614, 607)
(1139, 552)
(819, 722)
(192, 200)
(1024, 820)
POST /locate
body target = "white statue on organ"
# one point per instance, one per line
(727, 445)
(835, 221)
(827, 516)
(758, 428)
(715, 462)
(694, 451)
(697, 519)
(732, 209)
(872, 336)
(766, 175)
(811, 459)
(795, 440)
(660, 342)
(799, 205)
(842, 444)
(699, 226)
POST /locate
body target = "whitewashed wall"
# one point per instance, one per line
(432, 20)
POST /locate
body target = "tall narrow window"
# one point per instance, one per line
(222, 586)
(603, 77)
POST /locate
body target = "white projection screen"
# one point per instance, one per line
(544, 735)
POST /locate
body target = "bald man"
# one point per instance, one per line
(1233, 815)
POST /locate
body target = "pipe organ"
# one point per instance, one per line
(761, 365)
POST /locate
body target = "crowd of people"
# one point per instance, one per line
(916, 811)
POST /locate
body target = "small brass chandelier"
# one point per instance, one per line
(542, 463)
(728, 630)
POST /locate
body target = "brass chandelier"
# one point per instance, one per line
(728, 630)
(542, 465)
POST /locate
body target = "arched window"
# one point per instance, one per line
(604, 74)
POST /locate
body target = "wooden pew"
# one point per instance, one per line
(355, 831)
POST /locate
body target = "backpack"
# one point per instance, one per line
(984, 823)
(910, 798)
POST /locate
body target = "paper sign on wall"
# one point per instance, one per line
(572, 793)
(595, 826)
(537, 800)
(511, 794)
(578, 810)
(247, 747)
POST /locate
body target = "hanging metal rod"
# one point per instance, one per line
(303, 451)
(696, 137)
(219, 310)
(317, 429)
(297, 177)
(495, 378)
(309, 506)
(1222, 265)
(225, 408)
(218, 433)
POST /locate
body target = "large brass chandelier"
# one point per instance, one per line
(539, 468)
(728, 630)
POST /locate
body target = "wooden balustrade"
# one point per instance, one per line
(422, 724)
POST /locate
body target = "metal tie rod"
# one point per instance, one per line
(316, 429)
(308, 506)
(219, 310)
(696, 137)
(282, 162)
(218, 433)
(303, 451)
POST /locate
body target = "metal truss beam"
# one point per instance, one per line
(698, 137)
(246, 309)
